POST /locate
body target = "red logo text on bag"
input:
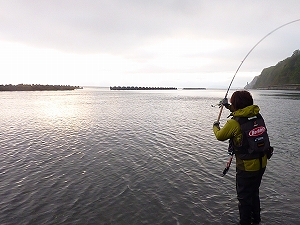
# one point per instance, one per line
(257, 131)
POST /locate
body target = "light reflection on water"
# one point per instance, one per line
(95, 156)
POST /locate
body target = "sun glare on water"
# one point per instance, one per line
(59, 107)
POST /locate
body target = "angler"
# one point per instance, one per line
(251, 157)
(249, 140)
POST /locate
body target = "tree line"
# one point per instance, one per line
(37, 87)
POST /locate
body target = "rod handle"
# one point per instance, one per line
(220, 113)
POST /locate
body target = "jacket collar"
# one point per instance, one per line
(248, 111)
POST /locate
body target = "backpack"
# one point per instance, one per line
(255, 140)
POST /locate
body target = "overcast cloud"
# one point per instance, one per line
(144, 43)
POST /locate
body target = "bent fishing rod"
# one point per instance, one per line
(221, 108)
(221, 105)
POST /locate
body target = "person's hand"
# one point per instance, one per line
(217, 124)
(224, 102)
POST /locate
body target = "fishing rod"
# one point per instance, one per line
(221, 105)
(228, 164)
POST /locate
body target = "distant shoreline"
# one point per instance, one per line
(295, 87)
(38, 87)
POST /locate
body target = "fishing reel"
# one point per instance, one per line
(216, 105)
(223, 102)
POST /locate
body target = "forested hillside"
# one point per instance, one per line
(284, 75)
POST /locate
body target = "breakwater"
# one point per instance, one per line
(141, 88)
(193, 88)
(37, 87)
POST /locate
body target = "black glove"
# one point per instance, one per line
(224, 102)
(217, 124)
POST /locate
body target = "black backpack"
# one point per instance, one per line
(255, 141)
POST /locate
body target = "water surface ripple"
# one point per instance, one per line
(95, 156)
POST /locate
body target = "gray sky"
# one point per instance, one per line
(143, 43)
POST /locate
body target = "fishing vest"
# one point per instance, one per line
(255, 140)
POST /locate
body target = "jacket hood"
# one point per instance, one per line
(248, 111)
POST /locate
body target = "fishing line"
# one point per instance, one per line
(221, 109)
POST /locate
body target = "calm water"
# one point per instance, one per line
(95, 156)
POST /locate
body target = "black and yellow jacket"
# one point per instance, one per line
(232, 130)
